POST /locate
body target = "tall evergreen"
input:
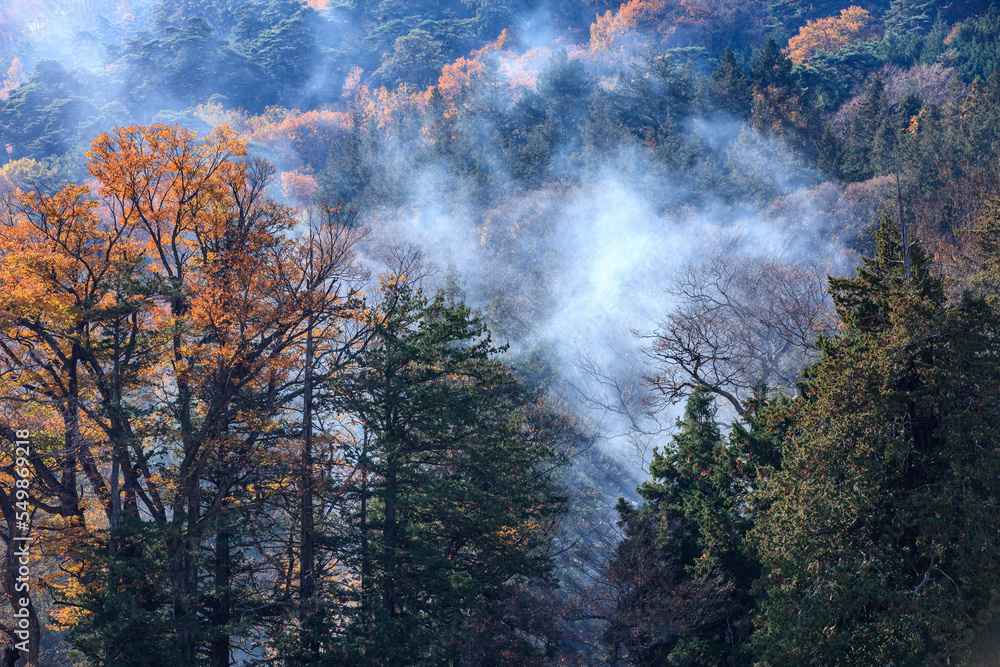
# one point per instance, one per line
(684, 549)
(881, 541)
(454, 508)
(777, 105)
(870, 140)
(771, 67)
(730, 87)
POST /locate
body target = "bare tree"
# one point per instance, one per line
(738, 326)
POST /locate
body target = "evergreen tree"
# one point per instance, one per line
(777, 104)
(770, 67)
(908, 16)
(828, 152)
(456, 507)
(880, 543)
(730, 86)
(870, 141)
(683, 565)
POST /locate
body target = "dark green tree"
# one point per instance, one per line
(278, 37)
(683, 574)
(730, 87)
(777, 104)
(880, 541)
(869, 142)
(456, 508)
(771, 67)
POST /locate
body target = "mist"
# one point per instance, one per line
(563, 170)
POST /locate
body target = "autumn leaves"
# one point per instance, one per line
(232, 446)
(154, 335)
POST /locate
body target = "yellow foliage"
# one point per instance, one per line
(27, 171)
(830, 34)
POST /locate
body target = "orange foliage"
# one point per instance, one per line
(297, 187)
(229, 318)
(830, 34)
(614, 28)
(309, 134)
(380, 108)
(464, 74)
(14, 78)
(456, 79)
(502, 41)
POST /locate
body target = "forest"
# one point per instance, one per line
(449, 333)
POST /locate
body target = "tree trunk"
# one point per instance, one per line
(307, 557)
(223, 572)
(389, 535)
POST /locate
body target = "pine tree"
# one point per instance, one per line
(776, 91)
(730, 86)
(683, 566)
(828, 152)
(770, 67)
(870, 141)
(457, 507)
(881, 524)
(908, 16)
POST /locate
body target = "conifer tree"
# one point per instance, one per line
(683, 568)
(457, 507)
(880, 542)
(870, 139)
(730, 85)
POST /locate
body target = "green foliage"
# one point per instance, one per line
(41, 117)
(878, 524)
(975, 48)
(870, 140)
(455, 508)
(730, 86)
(770, 67)
(416, 58)
(131, 618)
(279, 38)
(909, 16)
(684, 568)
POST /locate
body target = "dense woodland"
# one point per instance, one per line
(267, 428)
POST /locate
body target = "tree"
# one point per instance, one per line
(160, 341)
(830, 34)
(455, 506)
(738, 327)
(731, 86)
(416, 58)
(880, 523)
(278, 36)
(776, 91)
(870, 141)
(908, 16)
(770, 67)
(681, 575)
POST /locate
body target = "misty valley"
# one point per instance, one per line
(372, 333)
